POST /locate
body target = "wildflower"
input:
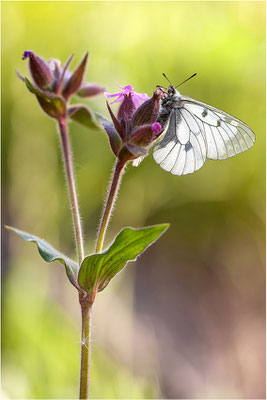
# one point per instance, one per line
(53, 85)
(134, 129)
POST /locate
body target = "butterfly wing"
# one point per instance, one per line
(197, 131)
(183, 149)
(225, 135)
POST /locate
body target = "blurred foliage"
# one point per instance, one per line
(217, 214)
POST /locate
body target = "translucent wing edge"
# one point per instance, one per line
(222, 113)
(229, 138)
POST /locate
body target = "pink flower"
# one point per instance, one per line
(128, 91)
(134, 128)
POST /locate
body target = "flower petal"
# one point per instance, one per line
(142, 96)
(120, 96)
(107, 94)
(128, 89)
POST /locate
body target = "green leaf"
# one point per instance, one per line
(49, 254)
(51, 103)
(84, 116)
(98, 269)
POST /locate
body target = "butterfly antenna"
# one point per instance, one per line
(185, 80)
(161, 87)
(167, 78)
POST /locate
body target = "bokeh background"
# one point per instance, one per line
(187, 320)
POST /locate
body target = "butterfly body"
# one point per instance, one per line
(194, 131)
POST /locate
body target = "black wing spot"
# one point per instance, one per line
(188, 146)
(205, 113)
(219, 122)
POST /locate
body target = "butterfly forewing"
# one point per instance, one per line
(196, 131)
(236, 135)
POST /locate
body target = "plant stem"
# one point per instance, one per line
(71, 187)
(86, 308)
(112, 193)
(86, 302)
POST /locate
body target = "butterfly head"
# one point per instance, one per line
(168, 93)
(172, 91)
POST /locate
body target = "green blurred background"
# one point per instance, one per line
(187, 320)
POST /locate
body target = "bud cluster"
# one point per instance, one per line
(53, 85)
(134, 129)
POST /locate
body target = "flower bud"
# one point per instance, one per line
(127, 108)
(74, 83)
(56, 70)
(135, 139)
(144, 135)
(40, 71)
(90, 89)
(148, 111)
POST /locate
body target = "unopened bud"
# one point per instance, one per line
(40, 71)
(127, 108)
(75, 81)
(90, 89)
(145, 135)
(147, 113)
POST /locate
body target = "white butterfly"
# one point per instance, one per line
(195, 131)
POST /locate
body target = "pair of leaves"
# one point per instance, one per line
(97, 270)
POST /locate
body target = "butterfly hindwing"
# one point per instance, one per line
(182, 150)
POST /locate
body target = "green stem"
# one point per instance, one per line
(112, 193)
(71, 187)
(86, 308)
(86, 302)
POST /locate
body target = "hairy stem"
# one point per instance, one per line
(86, 308)
(112, 193)
(71, 187)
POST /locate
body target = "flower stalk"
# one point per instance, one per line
(110, 202)
(86, 309)
(65, 144)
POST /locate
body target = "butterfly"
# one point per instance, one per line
(194, 131)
